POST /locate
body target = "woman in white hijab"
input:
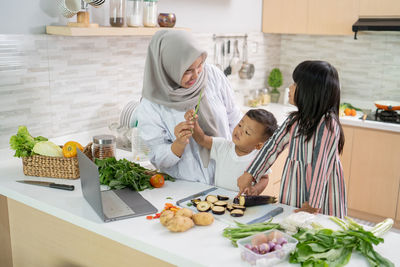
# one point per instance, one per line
(175, 75)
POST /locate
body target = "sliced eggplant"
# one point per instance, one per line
(203, 206)
(237, 213)
(240, 207)
(229, 207)
(249, 201)
(220, 197)
(221, 203)
(218, 210)
(211, 205)
(195, 201)
(211, 198)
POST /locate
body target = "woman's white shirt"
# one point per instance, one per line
(157, 124)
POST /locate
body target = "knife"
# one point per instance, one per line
(49, 184)
(267, 216)
(202, 193)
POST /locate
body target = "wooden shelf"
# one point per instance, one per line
(106, 31)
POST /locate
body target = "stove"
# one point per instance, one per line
(390, 116)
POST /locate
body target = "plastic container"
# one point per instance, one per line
(103, 146)
(139, 148)
(117, 13)
(150, 13)
(270, 258)
(134, 13)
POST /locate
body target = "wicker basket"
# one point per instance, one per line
(55, 167)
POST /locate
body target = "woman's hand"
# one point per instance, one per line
(307, 208)
(183, 131)
(244, 182)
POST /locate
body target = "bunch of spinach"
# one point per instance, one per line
(326, 247)
(118, 174)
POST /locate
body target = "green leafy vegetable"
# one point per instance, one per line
(325, 247)
(47, 148)
(118, 174)
(23, 142)
(245, 230)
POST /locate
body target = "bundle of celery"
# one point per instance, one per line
(326, 247)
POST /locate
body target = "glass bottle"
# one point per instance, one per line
(134, 13)
(150, 13)
(117, 13)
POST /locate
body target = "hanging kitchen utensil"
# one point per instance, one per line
(222, 55)
(228, 69)
(247, 69)
(235, 61)
(217, 56)
(387, 105)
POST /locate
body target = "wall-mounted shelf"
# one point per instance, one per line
(106, 31)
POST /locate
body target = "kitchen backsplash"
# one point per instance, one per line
(61, 85)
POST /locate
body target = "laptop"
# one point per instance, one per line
(110, 205)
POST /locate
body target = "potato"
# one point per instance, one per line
(203, 218)
(166, 216)
(185, 212)
(180, 224)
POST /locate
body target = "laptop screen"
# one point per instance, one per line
(90, 182)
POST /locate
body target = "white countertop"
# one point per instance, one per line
(149, 236)
(281, 112)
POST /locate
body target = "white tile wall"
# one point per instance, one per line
(61, 85)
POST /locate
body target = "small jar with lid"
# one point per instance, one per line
(134, 13)
(103, 146)
(117, 13)
(150, 13)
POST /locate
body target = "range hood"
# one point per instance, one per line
(376, 24)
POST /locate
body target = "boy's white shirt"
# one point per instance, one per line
(229, 166)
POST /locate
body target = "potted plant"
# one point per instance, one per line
(275, 81)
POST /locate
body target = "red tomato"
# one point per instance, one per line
(157, 180)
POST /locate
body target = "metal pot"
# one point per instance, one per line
(387, 105)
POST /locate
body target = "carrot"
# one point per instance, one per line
(149, 217)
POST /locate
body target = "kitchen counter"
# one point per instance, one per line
(281, 112)
(200, 246)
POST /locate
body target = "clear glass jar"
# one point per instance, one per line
(103, 146)
(139, 148)
(134, 13)
(117, 13)
(150, 13)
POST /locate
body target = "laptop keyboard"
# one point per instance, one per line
(114, 206)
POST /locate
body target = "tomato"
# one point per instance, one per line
(69, 149)
(157, 180)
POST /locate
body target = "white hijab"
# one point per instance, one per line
(169, 55)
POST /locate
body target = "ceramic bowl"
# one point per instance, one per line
(166, 20)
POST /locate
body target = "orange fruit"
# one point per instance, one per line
(353, 112)
(347, 111)
(69, 149)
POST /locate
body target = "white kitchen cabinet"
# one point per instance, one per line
(379, 8)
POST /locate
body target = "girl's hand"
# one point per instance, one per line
(251, 191)
(244, 182)
(307, 208)
(183, 131)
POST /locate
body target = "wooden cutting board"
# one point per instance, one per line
(250, 214)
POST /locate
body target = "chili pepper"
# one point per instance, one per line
(149, 217)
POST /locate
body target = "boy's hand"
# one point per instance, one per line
(244, 182)
(189, 115)
(183, 132)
